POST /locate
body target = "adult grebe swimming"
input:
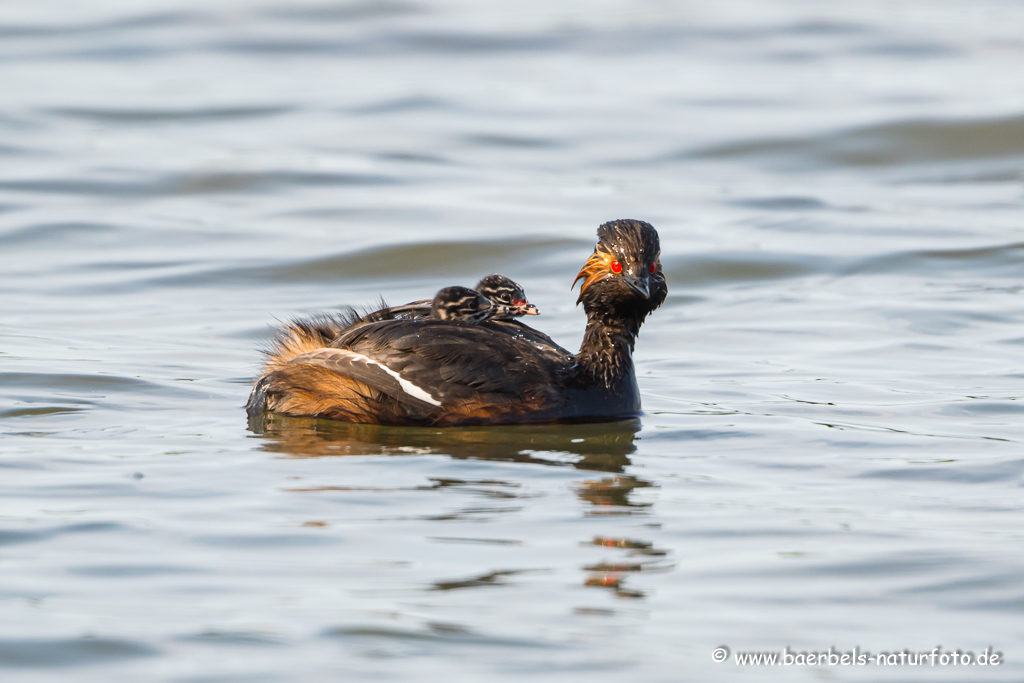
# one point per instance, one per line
(382, 369)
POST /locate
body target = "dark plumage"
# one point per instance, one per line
(430, 371)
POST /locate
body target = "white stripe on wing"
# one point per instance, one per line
(408, 387)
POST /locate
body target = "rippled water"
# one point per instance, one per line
(830, 454)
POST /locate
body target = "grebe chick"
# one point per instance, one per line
(464, 305)
(503, 291)
(500, 290)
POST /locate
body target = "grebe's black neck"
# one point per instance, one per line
(606, 354)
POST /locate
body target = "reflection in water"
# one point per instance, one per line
(477, 486)
(610, 495)
(612, 574)
(634, 546)
(613, 581)
(489, 579)
(603, 447)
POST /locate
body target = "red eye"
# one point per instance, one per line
(652, 267)
(616, 267)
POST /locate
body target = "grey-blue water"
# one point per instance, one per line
(831, 452)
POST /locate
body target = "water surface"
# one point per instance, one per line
(830, 454)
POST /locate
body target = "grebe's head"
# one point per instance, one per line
(461, 304)
(505, 293)
(624, 273)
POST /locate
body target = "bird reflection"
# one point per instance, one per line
(602, 447)
(611, 495)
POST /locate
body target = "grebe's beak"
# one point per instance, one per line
(638, 285)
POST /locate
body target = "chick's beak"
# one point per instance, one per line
(528, 309)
